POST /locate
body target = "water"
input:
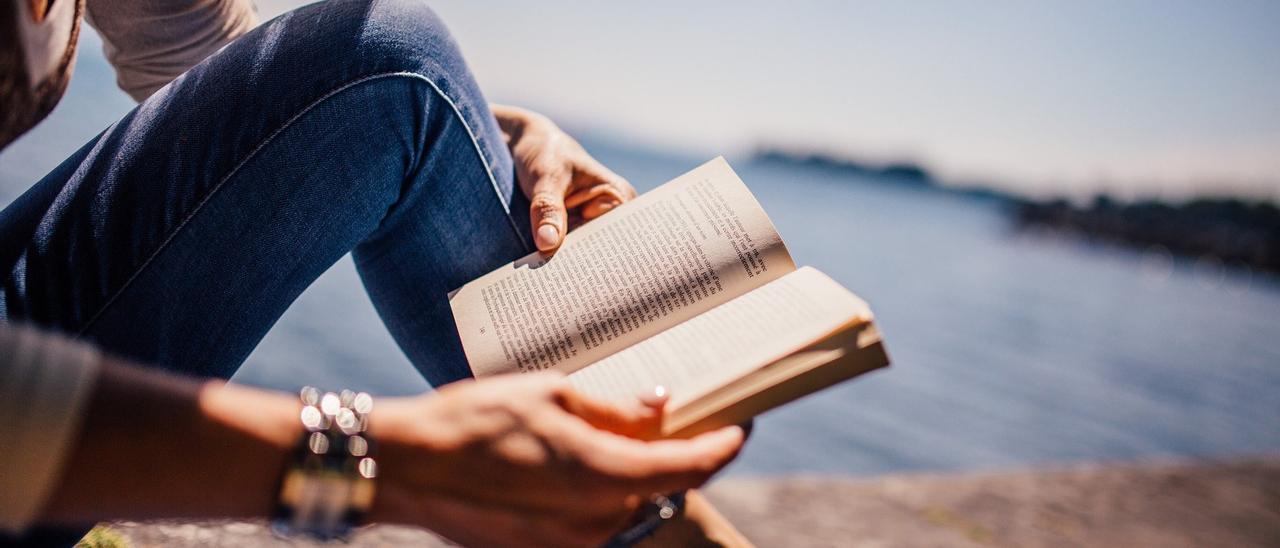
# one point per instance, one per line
(1009, 349)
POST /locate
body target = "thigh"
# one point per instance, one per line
(181, 234)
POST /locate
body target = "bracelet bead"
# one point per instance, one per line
(329, 486)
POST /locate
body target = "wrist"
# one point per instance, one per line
(413, 439)
(700, 524)
(514, 121)
(329, 486)
(267, 418)
(256, 423)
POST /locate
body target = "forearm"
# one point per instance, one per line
(154, 445)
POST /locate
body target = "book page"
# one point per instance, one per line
(855, 349)
(652, 263)
(727, 342)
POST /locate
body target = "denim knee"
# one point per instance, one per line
(398, 36)
(346, 41)
(322, 48)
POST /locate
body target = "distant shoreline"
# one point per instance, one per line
(1229, 230)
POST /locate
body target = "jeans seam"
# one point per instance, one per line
(484, 161)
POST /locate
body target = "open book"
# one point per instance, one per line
(689, 287)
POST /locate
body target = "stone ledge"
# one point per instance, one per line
(1219, 503)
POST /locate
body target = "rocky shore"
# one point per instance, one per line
(1230, 231)
(1227, 231)
(1216, 503)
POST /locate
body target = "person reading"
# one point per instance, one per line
(257, 157)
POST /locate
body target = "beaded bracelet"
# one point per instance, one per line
(329, 487)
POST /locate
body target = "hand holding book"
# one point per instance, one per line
(510, 452)
(565, 185)
(689, 286)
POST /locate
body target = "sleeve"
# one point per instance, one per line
(45, 385)
(151, 42)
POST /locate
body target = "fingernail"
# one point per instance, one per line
(655, 397)
(548, 235)
(734, 432)
(720, 436)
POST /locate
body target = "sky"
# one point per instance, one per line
(1134, 98)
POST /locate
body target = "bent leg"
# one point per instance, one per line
(187, 228)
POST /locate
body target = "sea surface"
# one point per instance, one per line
(1010, 349)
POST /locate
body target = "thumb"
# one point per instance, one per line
(547, 212)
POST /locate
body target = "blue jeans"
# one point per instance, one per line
(179, 235)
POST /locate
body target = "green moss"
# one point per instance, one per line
(103, 537)
(950, 520)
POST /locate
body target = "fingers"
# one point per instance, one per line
(642, 421)
(592, 189)
(599, 190)
(603, 192)
(559, 176)
(616, 181)
(598, 207)
(643, 468)
(672, 465)
(547, 210)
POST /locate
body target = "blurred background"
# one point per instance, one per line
(1063, 213)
